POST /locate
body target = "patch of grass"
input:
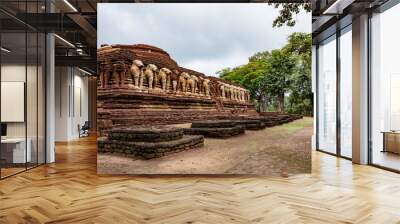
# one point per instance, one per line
(292, 127)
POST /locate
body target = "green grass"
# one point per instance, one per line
(296, 125)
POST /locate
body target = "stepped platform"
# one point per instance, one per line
(215, 128)
(148, 143)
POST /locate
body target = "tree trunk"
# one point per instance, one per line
(261, 103)
(259, 99)
(281, 102)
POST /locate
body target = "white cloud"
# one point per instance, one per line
(203, 37)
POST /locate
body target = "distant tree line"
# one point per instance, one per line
(278, 80)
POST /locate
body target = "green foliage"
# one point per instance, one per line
(248, 75)
(260, 56)
(287, 10)
(279, 80)
(276, 80)
(301, 97)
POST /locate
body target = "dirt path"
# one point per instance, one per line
(281, 150)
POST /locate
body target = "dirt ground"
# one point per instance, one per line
(278, 151)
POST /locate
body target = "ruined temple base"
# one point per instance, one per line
(150, 150)
(253, 124)
(125, 108)
(216, 132)
(215, 128)
(148, 143)
(267, 152)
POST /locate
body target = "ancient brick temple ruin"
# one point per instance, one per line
(141, 89)
(142, 85)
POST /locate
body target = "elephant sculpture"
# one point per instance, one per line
(205, 87)
(192, 82)
(124, 73)
(136, 70)
(119, 74)
(199, 85)
(104, 77)
(184, 76)
(236, 93)
(222, 89)
(174, 80)
(107, 74)
(163, 77)
(196, 83)
(228, 93)
(232, 92)
(148, 73)
(116, 76)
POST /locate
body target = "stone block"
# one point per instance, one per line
(214, 124)
(252, 124)
(144, 134)
(215, 132)
(149, 150)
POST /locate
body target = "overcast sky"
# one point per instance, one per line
(202, 37)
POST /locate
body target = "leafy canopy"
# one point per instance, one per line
(287, 12)
(280, 79)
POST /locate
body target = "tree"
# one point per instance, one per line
(287, 10)
(301, 96)
(276, 80)
(260, 56)
(248, 75)
(279, 80)
(300, 44)
(224, 72)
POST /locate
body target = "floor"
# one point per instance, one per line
(276, 151)
(70, 191)
(10, 171)
(386, 159)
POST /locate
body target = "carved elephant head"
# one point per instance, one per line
(165, 70)
(138, 63)
(185, 75)
(152, 67)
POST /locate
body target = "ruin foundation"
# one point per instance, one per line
(142, 85)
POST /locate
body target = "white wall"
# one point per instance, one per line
(33, 126)
(16, 73)
(71, 102)
(12, 73)
(61, 103)
(314, 90)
